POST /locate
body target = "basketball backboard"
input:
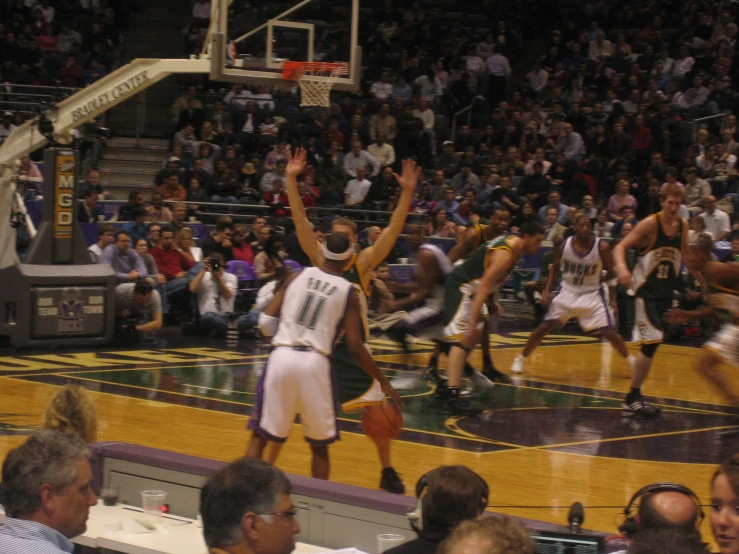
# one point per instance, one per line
(249, 44)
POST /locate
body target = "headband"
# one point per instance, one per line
(341, 256)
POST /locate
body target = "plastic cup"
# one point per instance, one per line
(403, 260)
(386, 541)
(110, 495)
(153, 504)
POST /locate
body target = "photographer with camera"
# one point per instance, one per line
(138, 309)
(216, 291)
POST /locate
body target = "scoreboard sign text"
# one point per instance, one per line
(64, 201)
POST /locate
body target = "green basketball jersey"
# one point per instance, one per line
(474, 267)
(657, 271)
(351, 274)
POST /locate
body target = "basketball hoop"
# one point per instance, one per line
(315, 80)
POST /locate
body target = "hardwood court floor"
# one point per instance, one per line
(554, 437)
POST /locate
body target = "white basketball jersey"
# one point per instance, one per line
(581, 273)
(313, 310)
(436, 300)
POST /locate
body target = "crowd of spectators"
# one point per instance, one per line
(46, 43)
(623, 99)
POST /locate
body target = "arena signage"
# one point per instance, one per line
(112, 95)
(64, 202)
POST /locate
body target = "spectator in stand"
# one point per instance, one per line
(216, 292)
(72, 410)
(278, 173)
(171, 189)
(430, 88)
(382, 151)
(179, 216)
(697, 191)
(534, 187)
(184, 102)
(382, 90)
(587, 208)
(556, 203)
(603, 227)
(498, 70)
(626, 217)
(449, 204)
(382, 123)
(269, 259)
(71, 73)
(220, 241)
(504, 196)
(91, 183)
(496, 534)
(528, 168)
(173, 264)
(649, 202)
(240, 248)
(157, 210)
(717, 221)
(276, 199)
(88, 210)
(137, 227)
(106, 236)
(47, 493)
(622, 198)
(440, 226)
(124, 260)
(154, 233)
(465, 178)
(571, 144)
(552, 227)
(185, 242)
(356, 190)
(224, 187)
(427, 116)
(142, 249)
(192, 115)
(360, 158)
(173, 168)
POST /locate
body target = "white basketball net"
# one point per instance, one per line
(315, 92)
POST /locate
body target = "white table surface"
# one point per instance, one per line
(178, 535)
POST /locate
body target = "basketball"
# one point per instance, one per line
(383, 420)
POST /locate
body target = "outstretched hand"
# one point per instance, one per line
(295, 163)
(409, 176)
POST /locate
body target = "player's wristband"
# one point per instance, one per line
(268, 324)
(612, 282)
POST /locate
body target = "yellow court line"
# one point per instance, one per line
(66, 371)
(619, 439)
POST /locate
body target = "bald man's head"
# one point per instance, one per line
(668, 509)
(373, 233)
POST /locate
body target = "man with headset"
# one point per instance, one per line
(446, 496)
(662, 506)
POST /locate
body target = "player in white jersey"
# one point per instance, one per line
(723, 301)
(580, 262)
(305, 320)
(425, 297)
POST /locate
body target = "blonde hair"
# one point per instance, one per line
(71, 409)
(490, 535)
(182, 234)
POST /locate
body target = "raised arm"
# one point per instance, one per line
(303, 227)
(372, 256)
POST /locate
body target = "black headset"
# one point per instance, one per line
(630, 525)
(416, 518)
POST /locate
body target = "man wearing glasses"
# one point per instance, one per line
(246, 507)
